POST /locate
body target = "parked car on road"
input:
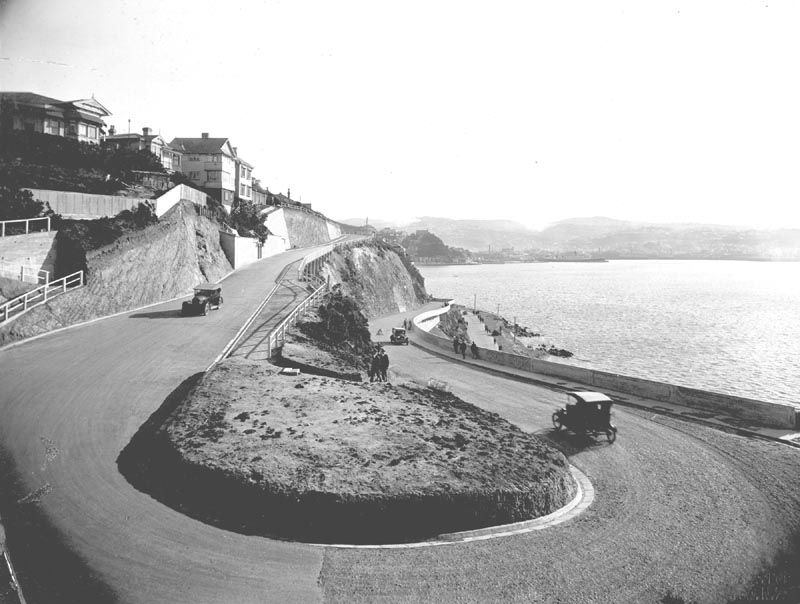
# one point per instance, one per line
(587, 413)
(399, 336)
(207, 296)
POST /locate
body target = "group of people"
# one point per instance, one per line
(379, 367)
(460, 346)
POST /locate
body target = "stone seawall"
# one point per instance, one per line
(763, 413)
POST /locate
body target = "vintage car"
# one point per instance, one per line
(587, 413)
(206, 296)
(399, 336)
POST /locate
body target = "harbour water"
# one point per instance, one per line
(725, 326)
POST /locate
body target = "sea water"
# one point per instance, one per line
(726, 326)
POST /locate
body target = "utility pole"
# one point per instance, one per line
(475, 304)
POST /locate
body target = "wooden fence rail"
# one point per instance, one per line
(40, 295)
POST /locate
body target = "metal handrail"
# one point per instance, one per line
(21, 304)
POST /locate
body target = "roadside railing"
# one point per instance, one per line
(24, 273)
(312, 263)
(40, 295)
(278, 335)
(26, 221)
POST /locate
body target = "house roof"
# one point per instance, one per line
(29, 98)
(88, 109)
(199, 145)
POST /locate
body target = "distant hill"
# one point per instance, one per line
(612, 238)
(476, 235)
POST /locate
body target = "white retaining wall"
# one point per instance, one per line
(85, 205)
(177, 194)
(776, 415)
(36, 251)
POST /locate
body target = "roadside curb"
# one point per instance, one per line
(584, 497)
(625, 403)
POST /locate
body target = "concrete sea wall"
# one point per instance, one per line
(775, 415)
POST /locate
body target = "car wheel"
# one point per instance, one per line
(205, 309)
(557, 421)
(611, 434)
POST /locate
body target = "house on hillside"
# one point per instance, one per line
(261, 195)
(80, 120)
(244, 178)
(169, 157)
(211, 165)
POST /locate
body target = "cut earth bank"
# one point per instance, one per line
(324, 458)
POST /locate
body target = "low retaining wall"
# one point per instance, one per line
(773, 415)
(85, 205)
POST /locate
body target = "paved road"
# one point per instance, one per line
(72, 401)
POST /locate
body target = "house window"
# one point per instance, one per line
(194, 158)
(82, 129)
(213, 175)
(194, 175)
(212, 158)
(92, 131)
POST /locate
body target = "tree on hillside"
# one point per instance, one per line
(16, 204)
(120, 162)
(247, 220)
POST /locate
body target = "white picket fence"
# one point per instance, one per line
(40, 295)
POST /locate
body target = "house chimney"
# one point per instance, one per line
(146, 131)
(204, 135)
(288, 193)
(112, 130)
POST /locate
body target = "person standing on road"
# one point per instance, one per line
(384, 365)
(455, 344)
(474, 349)
(375, 368)
(463, 347)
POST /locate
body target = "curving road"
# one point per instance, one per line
(679, 509)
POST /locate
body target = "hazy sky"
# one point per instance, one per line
(533, 111)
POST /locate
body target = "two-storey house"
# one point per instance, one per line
(169, 157)
(210, 164)
(244, 178)
(80, 120)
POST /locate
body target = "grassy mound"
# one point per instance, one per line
(324, 460)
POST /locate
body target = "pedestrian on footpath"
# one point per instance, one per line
(463, 347)
(474, 349)
(384, 366)
(455, 344)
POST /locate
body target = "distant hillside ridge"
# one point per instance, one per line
(612, 238)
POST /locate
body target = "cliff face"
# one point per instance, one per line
(159, 262)
(378, 278)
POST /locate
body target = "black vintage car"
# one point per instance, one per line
(206, 296)
(587, 413)
(399, 336)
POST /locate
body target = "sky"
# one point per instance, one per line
(647, 110)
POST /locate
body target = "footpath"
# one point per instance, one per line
(477, 332)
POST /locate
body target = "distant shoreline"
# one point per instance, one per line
(602, 260)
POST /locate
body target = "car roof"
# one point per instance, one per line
(208, 286)
(589, 397)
